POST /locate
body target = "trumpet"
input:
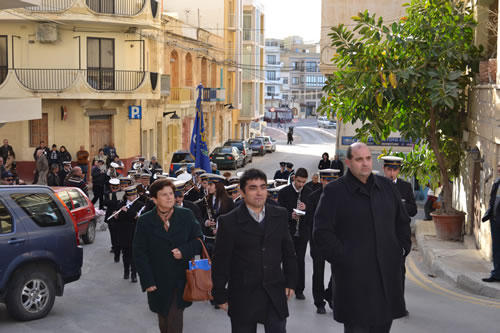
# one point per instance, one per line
(297, 231)
(137, 165)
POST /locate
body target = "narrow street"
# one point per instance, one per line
(101, 301)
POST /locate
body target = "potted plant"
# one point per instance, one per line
(411, 76)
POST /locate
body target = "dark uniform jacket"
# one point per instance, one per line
(153, 257)
(281, 175)
(111, 204)
(195, 209)
(256, 261)
(363, 230)
(215, 213)
(53, 180)
(493, 206)
(312, 205)
(324, 164)
(287, 198)
(126, 222)
(313, 186)
(406, 192)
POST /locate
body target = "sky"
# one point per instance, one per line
(293, 17)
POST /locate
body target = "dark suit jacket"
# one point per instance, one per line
(195, 209)
(406, 192)
(153, 257)
(492, 213)
(362, 229)
(256, 263)
(287, 198)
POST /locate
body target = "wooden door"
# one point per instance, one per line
(100, 133)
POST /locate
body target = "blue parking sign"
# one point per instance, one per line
(135, 112)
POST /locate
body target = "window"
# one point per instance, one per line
(311, 66)
(64, 196)
(5, 220)
(40, 208)
(285, 80)
(271, 59)
(285, 97)
(271, 75)
(271, 90)
(295, 80)
(78, 200)
(39, 130)
(4, 63)
(101, 63)
(247, 26)
(295, 65)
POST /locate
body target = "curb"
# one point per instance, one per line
(470, 282)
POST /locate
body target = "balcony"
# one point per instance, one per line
(181, 95)
(37, 79)
(122, 7)
(116, 80)
(221, 94)
(209, 94)
(52, 6)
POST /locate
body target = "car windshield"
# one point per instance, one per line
(223, 150)
(264, 138)
(182, 158)
(238, 145)
(255, 141)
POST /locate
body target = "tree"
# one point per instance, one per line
(411, 76)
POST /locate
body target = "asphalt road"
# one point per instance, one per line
(101, 301)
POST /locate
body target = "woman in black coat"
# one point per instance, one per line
(64, 155)
(324, 163)
(164, 242)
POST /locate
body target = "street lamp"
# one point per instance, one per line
(173, 113)
(231, 107)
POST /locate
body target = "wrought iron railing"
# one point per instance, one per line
(116, 80)
(209, 94)
(122, 7)
(4, 71)
(52, 6)
(46, 79)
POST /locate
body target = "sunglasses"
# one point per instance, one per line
(9, 179)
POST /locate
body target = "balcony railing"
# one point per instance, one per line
(209, 94)
(122, 7)
(221, 94)
(46, 79)
(3, 73)
(110, 79)
(52, 6)
(179, 95)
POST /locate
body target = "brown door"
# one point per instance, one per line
(475, 226)
(100, 133)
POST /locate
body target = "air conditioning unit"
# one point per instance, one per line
(165, 85)
(47, 33)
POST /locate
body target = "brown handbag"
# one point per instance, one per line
(199, 281)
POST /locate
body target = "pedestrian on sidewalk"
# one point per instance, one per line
(42, 167)
(290, 136)
(4, 149)
(54, 156)
(361, 227)
(493, 215)
(82, 157)
(254, 288)
(337, 164)
(64, 155)
(53, 177)
(75, 179)
(324, 163)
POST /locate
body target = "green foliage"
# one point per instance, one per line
(390, 77)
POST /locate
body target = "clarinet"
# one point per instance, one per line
(297, 232)
(210, 215)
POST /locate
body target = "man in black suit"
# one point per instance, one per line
(254, 257)
(337, 164)
(294, 196)
(392, 167)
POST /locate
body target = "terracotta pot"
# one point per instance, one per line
(449, 227)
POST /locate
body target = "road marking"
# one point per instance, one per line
(415, 275)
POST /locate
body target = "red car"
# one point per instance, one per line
(81, 209)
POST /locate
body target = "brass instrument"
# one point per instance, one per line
(137, 165)
(297, 232)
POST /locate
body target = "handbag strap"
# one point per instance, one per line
(204, 253)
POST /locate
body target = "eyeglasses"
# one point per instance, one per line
(9, 179)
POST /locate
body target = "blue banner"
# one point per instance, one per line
(199, 148)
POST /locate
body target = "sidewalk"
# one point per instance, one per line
(453, 262)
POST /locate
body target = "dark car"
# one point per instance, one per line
(181, 158)
(227, 156)
(244, 148)
(257, 146)
(40, 250)
(82, 210)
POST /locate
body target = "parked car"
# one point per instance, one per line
(181, 158)
(40, 250)
(244, 148)
(82, 210)
(323, 121)
(268, 143)
(257, 145)
(227, 156)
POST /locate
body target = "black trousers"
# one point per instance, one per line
(113, 233)
(320, 294)
(128, 262)
(98, 195)
(353, 328)
(273, 324)
(300, 244)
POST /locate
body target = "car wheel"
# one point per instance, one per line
(89, 237)
(31, 293)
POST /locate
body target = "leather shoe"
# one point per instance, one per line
(126, 276)
(407, 313)
(300, 295)
(491, 279)
(134, 278)
(321, 310)
(117, 257)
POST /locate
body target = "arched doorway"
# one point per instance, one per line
(189, 70)
(174, 69)
(204, 72)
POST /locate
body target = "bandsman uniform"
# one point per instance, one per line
(111, 202)
(281, 173)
